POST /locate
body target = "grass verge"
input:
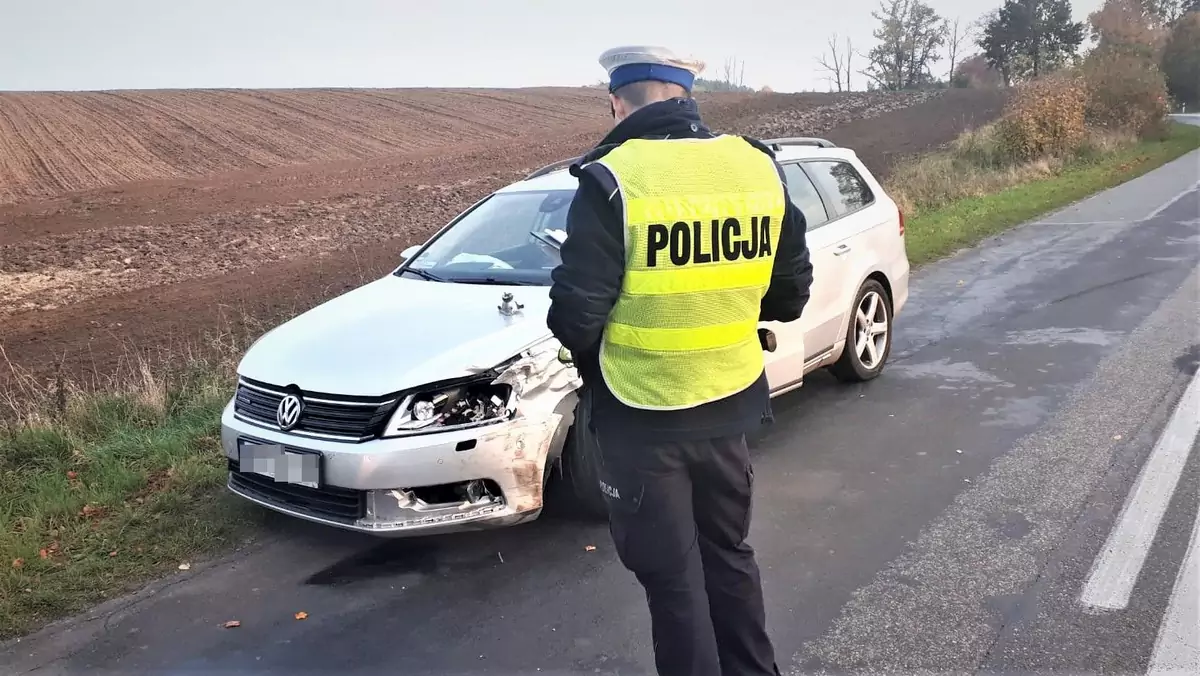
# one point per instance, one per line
(959, 223)
(101, 492)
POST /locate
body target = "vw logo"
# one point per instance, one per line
(288, 413)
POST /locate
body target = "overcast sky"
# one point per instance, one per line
(115, 44)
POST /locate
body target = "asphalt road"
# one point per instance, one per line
(945, 518)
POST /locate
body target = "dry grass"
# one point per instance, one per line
(35, 396)
(976, 165)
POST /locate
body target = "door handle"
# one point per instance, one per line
(841, 250)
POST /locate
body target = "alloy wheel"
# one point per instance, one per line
(871, 330)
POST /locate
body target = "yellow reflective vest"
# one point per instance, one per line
(702, 220)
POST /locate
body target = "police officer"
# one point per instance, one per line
(679, 241)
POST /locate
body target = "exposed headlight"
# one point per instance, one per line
(470, 404)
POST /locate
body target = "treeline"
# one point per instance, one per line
(731, 78)
(1020, 41)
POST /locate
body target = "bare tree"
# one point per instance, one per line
(734, 72)
(833, 62)
(957, 35)
(849, 57)
(837, 63)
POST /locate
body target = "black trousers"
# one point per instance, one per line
(679, 514)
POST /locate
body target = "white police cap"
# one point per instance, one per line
(634, 63)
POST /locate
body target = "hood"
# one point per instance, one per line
(396, 333)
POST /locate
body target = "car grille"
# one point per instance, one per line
(324, 416)
(342, 505)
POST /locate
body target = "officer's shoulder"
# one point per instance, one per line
(758, 144)
(586, 166)
(591, 156)
(769, 153)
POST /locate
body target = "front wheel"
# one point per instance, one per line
(580, 464)
(868, 335)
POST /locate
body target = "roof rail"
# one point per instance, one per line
(778, 143)
(774, 144)
(551, 167)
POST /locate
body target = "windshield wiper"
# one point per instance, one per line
(492, 281)
(548, 241)
(424, 275)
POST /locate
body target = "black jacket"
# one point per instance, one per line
(587, 283)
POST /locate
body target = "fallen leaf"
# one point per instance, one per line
(301, 615)
(590, 548)
(185, 566)
(232, 623)
(17, 563)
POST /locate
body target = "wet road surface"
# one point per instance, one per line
(945, 518)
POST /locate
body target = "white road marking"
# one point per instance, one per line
(1120, 562)
(1084, 222)
(1169, 203)
(1177, 650)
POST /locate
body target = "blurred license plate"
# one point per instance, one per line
(282, 465)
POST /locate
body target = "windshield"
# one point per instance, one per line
(511, 238)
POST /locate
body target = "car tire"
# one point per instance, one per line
(859, 362)
(580, 464)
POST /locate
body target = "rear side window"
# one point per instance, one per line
(805, 196)
(843, 184)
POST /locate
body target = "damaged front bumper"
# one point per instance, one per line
(465, 479)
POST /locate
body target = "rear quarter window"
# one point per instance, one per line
(842, 182)
(805, 196)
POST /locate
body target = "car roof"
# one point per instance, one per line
(561, 179)
(790, 153)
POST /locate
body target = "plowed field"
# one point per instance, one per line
(54, 143)
(135, 219)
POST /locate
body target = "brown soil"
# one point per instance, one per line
(55, 142)
(920, 128)
(207, 207)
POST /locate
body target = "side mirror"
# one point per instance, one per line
(408, 253)
(564, 356)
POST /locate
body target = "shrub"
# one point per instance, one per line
(1044, 118)
(1126, 92)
